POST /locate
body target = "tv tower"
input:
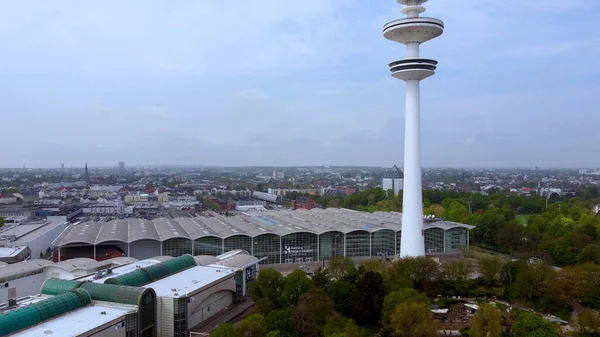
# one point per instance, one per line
(412, 31)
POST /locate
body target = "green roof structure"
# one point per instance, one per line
(142, 276)
(35, 313)
(56, 287)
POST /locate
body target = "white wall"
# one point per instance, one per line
(26, 286)
(51, 271)
(114, 330)
(212, 305)
(43, 241)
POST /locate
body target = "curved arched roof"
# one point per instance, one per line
(205, 260)
(251, 224)
(23, 267)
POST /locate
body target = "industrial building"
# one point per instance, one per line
(268, 197)
(25, 278)
(164, 296)
(35, 236)
(280, 236)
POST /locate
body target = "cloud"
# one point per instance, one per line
(251, 82)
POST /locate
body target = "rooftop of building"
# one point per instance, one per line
(394, 173)
(189, 281)
(80, 321)
(91, 264)
(120, 270)
(249, 223)
(23, 267)
(11, 251)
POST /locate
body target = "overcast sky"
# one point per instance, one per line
(274, 82)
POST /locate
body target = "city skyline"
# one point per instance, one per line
(293, 84)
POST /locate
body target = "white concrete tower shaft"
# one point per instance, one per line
(412, 31)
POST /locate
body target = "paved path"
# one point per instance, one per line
(225, 316)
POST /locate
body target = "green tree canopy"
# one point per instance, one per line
(413, 319)
(486, 322)
(268, 286)
(340, 267)
(338, 324)
(281, 320)
(397, 297)
(296, 284)
(253, 326)
(343, 294)
(532, 325)
(225, 330)
(312, 312)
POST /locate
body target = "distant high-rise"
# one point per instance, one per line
(393, 180)
(122, 165)
(62, 166)
(412, 31)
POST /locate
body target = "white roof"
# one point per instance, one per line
(439, 311)
(77, 322)
(472, 306)
(189, 280)
(10, 251)
(120, 270)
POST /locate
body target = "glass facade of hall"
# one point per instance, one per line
(177, 247)
(299, 247)
(383, 243)
(434, 240)
(243, 242)
(457, 239)
(331, 244)
(306, 247)
(208, 245)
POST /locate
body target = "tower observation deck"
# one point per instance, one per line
(412, 31)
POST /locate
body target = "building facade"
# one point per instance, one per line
(393, 180)
(279, 236)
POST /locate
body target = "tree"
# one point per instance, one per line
(532, 325)
(225, 330)
(588, 321)
(344, 296)
(529, 278)
(397, 297)
(413, 320)
(569, 286)
(369, 302)
(1, 221)
(423, 272)
(458, 270)
(253, 326)
(320, 278)
(333, 203)
(295, 285)
(490, 267)
(589, 253)
(312, 312)
(338, 324)
(486, 323)
(339, 267)
(268, 286)
(274, 333)
(281, 320)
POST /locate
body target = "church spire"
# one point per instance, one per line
(86, 173)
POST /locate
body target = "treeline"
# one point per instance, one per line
(562, 231)
(386, 299)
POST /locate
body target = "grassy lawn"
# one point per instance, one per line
(522, 218)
